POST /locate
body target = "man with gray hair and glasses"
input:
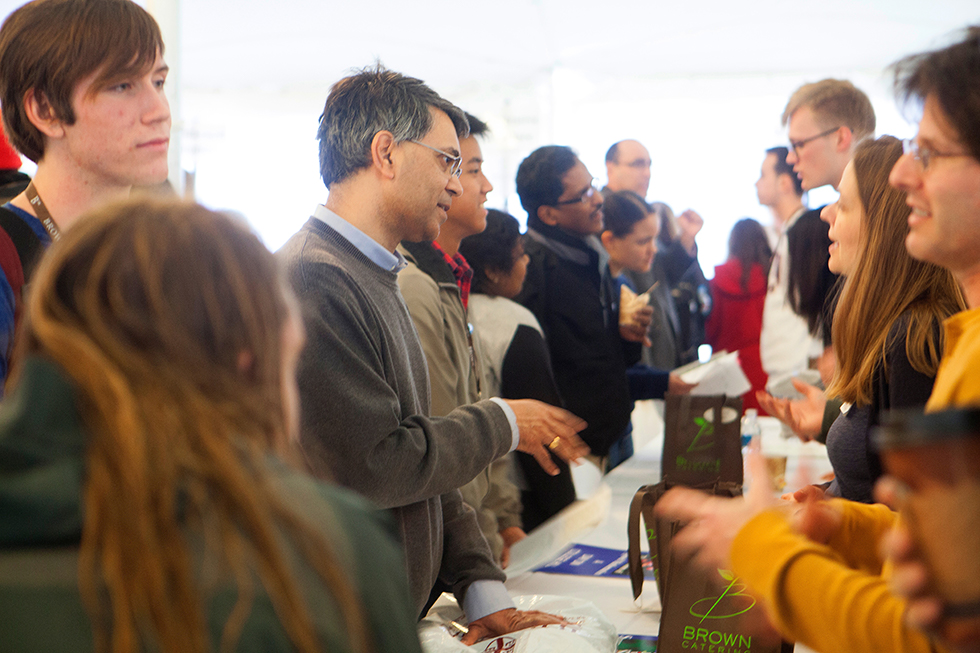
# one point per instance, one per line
(390, 158)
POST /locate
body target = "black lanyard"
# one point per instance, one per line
(42, 212)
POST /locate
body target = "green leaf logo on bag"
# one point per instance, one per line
(731, 603)
(705, 430)
(710, 465)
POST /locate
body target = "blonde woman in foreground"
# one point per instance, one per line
(145, 501)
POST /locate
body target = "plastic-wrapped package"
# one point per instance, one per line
(588, 631)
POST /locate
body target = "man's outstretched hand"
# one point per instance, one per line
(507, 621)
(546, 429)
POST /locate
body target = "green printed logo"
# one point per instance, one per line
(651, 536)
(731, 603)
(712, 465)
(715, 641)
(705, 430)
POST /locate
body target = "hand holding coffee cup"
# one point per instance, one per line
(935, 461)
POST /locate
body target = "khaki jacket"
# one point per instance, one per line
(455, 377)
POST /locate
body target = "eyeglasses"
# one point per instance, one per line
(796, 145)
(924, 155)
(452, 163)
(639, 164)
(582, 199)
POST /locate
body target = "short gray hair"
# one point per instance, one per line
(372, 100)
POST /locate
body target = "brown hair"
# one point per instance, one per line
(669, 231)
(952, 76)
(835, 101)
(168, 319)
(49, 46)
(749, 244)
(887, 283)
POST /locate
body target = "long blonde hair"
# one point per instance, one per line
(168, 319)
(885, 284)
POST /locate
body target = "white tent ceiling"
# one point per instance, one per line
(701, 83)
(290, 44)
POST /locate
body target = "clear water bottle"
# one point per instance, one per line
(750, 428)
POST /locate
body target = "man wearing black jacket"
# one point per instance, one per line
(570, 292)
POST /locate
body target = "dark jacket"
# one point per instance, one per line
(811, 282)
(572, 301)
(679, 308)
(42, 471)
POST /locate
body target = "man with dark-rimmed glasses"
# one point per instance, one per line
(570, 292)
(940, 172)
(826, 120)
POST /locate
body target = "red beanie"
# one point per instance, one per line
(9, 159)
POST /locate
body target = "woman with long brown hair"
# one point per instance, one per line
(816, 567)
(152, 404)
(887, 331)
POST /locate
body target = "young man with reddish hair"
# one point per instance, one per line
(81, 84)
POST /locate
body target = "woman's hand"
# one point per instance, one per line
(678, 386)
(803, 416)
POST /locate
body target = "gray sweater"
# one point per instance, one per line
(365, 396)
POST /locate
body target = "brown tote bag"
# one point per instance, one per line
(702, 610)
(702, 440)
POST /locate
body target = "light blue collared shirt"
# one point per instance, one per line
(483, 597)
(393, 262)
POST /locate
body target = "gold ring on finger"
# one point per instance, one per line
(554, 443)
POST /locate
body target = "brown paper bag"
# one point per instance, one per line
(702, 440)
(711, 610)
(702, 610)
(658, 531)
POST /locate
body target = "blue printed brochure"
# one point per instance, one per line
(585, 560)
